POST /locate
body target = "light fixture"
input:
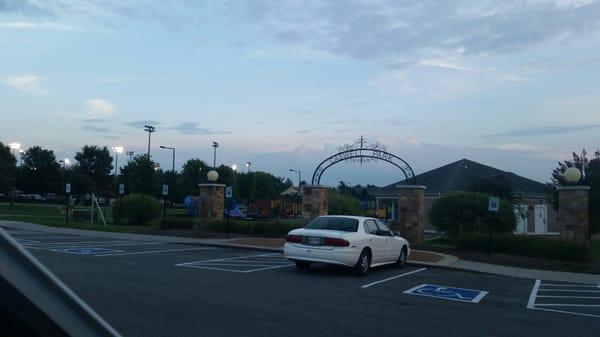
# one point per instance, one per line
(572, 175)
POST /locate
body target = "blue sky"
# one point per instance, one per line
(512, 84)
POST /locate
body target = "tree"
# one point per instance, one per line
(591, 177)
(92, 173)
(40, 172)
(193, 173)
(140, 176)
(343, 204)
(8, 169)
(467, 212)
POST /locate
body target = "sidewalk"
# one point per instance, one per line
(417, 257)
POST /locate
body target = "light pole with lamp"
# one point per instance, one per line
(117, 150)
(65, 162)
(215, 145)
(129, 154)
(248, 164)
(299, 178)
(172, 149)
(150, 129)
(13, 147)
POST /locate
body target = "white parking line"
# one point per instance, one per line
(587, 297)
(567, 305)
(538, 287)
(571, 291)
(392, 278)
(570, 285)
(264, 261)
(156, 251)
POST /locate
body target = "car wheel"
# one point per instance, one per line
(401, 262)
(302, 265)
(364, 263)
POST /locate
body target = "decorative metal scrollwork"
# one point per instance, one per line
(362, 151)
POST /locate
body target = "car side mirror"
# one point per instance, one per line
(396, 233)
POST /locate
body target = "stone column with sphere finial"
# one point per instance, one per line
(573, 205)
(212, 198)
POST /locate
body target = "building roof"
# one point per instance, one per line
(289, 191)
(460, 176)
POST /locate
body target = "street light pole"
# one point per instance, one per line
(130, 154)
(13, 147)
(172, 149)
(215, 146)
(117, 150)
(149, 129)
(248, 164)
(299, 177)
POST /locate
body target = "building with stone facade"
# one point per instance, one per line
(535, 216)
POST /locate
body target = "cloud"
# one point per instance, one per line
(302, 131)
(95, 120)
(23, 7)
(389, 30)
(38, 25)
(96, 129)
(28, 83)
(140, 124)
(191, 128)
(442, 63)
(397, 121)
(543, 131)
(98, 108)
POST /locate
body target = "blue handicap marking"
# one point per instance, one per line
(448, 293)
(86, 250)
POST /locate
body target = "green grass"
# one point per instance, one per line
(50, 215)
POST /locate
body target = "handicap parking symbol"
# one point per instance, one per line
(448, 293)
(86, 250)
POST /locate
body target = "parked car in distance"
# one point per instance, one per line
(37, 197)
(352, 241)
(51, 196)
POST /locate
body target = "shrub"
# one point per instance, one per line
(340, 204)
(525, 245)
(177, 223)
(263, 228)
(468, 213)
(137, 209)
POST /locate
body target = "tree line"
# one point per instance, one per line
(93, 172)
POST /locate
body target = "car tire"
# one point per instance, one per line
(364, 263)
(302, 265)
(401, 262)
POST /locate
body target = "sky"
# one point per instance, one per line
(283, 84)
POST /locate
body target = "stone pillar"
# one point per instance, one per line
(573, 215)
(314, 201)
(211, 201)
(411, 212)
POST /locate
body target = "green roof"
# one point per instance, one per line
(460, 176)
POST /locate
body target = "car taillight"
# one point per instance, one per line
(294, 238)
(336, 242)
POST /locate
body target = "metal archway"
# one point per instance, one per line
(361, 151)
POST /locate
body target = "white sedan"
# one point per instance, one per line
(352, 241)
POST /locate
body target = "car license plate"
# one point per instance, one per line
(313, 240)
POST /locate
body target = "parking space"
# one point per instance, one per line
(242, 264)
(566, 298)
(205, 287)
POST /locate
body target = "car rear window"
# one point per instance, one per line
(334, 224)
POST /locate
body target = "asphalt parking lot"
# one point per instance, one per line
(147, 288)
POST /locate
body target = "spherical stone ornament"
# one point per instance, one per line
(212, 176)
(572, 175)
